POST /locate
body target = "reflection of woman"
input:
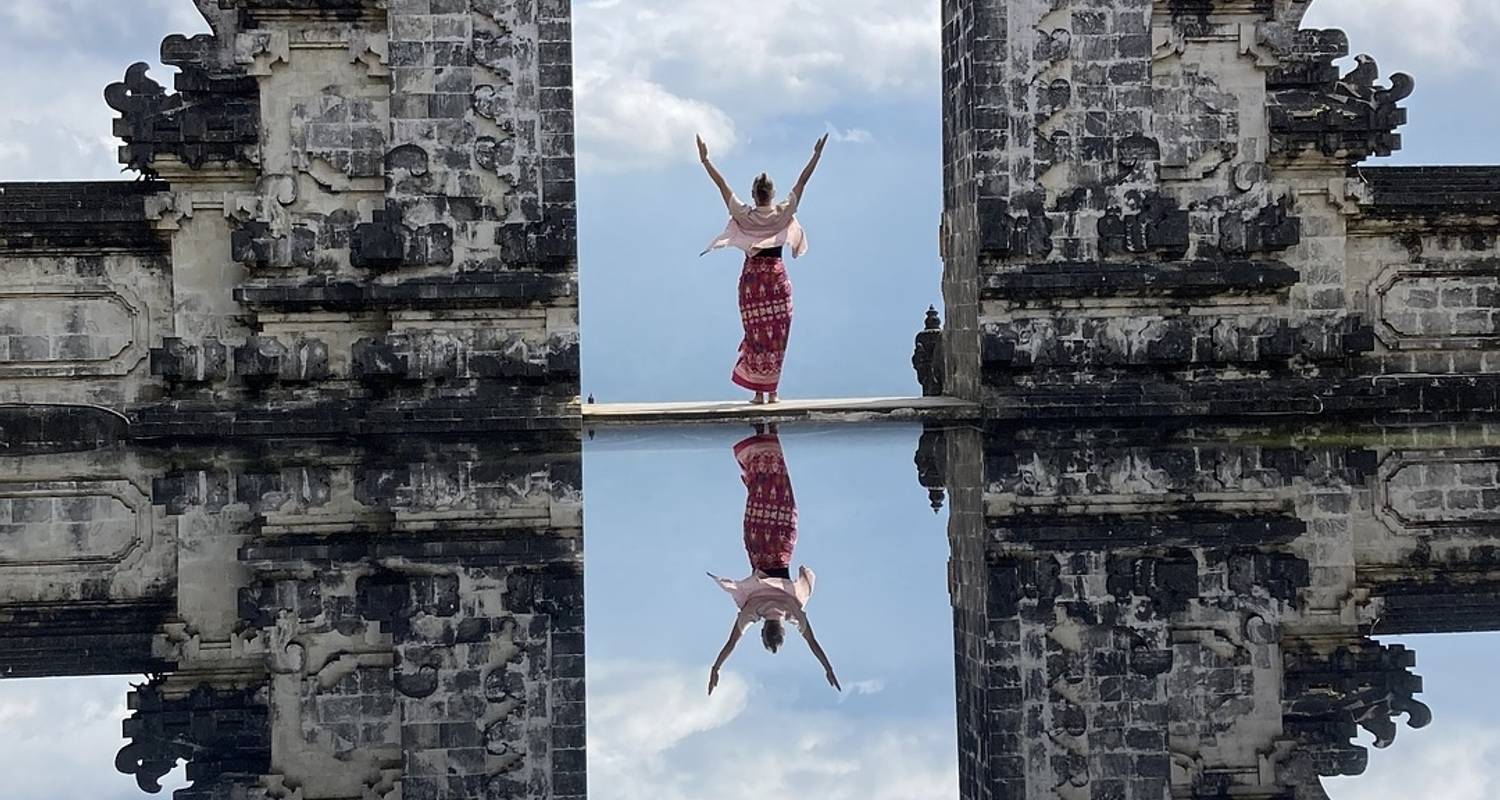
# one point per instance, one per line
(769, 594)
(761, 231)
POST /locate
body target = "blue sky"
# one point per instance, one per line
(659, 322)
(664, 508)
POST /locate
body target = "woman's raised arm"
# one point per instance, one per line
(812, 164)
(734, 638)
(817, 649)
(713, 172)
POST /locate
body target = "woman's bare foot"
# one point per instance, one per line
(771, 398)
(759, 399)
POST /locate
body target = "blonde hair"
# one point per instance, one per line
(772, 634)
(764, 190)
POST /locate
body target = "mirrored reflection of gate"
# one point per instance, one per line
(1112, 613)
(312, 620)
(1151, 614)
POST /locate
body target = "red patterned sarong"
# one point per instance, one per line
(766, 311)
(770, 509)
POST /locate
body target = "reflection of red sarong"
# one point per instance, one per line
(770, 509)
(766, 311)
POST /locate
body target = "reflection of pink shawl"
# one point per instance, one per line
(753, 228)
(762, 597)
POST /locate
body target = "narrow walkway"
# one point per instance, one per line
(846, 409)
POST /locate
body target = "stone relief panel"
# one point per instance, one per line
(1454, 492)
(50, 524)
(84, 299)
(65, 331)
(1438, 307)
(82, 532)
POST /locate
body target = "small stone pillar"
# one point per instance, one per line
(928, 358)
(931, 469)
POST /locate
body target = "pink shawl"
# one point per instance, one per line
(753, 228)
(762, 597)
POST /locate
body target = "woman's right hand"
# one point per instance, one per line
(702, 149)
(713, 680)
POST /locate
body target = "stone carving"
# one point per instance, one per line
(1159, 225)
(210, 118)
(1117, 199)
(385, 243)
(327, 167)
(431, 354)
(416, 652)
(222, 735)
(180, 361)
(1367, 685)
(255, 244)
(931, 461)
(1272, 228)
(1153, 614)
(1350, 117)
(1050, 340)
(927, 359)
(262, 359)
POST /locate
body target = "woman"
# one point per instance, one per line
(762, 231)
(769, 594)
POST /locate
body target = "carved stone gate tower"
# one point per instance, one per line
(1156, 208)
(327, 346)
(354, 216)
(1156, 220)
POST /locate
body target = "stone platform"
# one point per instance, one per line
(845, 409)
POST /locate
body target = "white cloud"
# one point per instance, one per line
(867, 687)
(1426, 37)
(1455, 761)
(59, 129)
(654, 735)
(850, 136)
(60, 20)
(54, 147)
(71, 725)
(61, 54)
(650, 70)
(632, 728)
(628, 122)
(782, 55)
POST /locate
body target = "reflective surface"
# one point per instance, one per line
(664, 508)
(1088, 614)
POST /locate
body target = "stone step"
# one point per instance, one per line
(844, 409)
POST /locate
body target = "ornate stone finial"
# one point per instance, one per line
(140, 100)
(931, 468)
(1313, 108)
(927, 359)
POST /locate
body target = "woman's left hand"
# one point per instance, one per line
(713, 680)
(833, 680)
(702, 149)
(818, 148)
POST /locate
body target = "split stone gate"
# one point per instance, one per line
(325, 353)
